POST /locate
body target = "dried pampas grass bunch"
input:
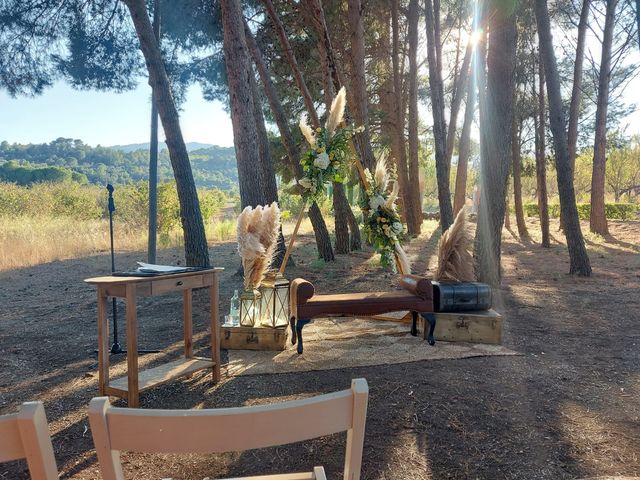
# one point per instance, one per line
(336, 114)
(455, 261)
(257, 229)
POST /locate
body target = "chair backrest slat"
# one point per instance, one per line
(229, 429)
(26, 435)
(198, 431)
(10, 442)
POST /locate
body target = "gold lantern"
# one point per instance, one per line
(275, 300)
(250, 303)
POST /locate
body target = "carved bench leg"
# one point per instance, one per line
(294, 336)
(296, 331)
(414, 324)
(431, 318)
(299, 324)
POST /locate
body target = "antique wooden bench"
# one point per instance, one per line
(416, 296)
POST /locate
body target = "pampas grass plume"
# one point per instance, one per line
(337, 112)
(257, 229)
(307, 132)
(455, 261)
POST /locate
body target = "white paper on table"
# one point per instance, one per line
(152, 268)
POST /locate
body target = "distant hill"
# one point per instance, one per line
(212, 166)
(132, 147)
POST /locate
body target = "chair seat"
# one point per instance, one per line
(317, 474)
(365, 303)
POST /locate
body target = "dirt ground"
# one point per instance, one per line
(568, 407)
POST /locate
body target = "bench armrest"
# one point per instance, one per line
(299, 292)
(417, 285)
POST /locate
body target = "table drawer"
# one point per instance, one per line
(175, 284)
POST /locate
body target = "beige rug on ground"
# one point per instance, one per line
(352, 342)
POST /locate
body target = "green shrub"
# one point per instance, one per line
(613, 211)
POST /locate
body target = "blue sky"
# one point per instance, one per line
(117, 119)
(105, 118)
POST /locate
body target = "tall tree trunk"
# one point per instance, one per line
(267, 173)
(245, 135)
(598, 218)
(507, 216)
(291, 59)
(195, 242)
(443, 167)
(324, 247)
(495, 113)
(360, 108)
(346, 226)
(464, 148)
(579, 260)
(414, 144)
(517, 177)
(541, 161)
(408, 208)
(323, 241)
(153, 156)
(576, 92)
(460, 86)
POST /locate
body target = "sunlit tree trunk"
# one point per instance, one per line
(579, 260)
(517, 177)
(460, 89)
(347, 229)
(464, 149)
(323, 241)
(408, 208)
(598, 218)
(541, 160)
(495, 116)
(195, 242)
(414, 169)
(324, 247)
(267, 173)
(443, 167)
(576, 92)
(245, 135)
(360, 108)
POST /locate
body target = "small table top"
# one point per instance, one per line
(112, 279)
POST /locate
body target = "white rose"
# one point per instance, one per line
(305, 182)
(375, 202)
(397, 227)
(322, 161)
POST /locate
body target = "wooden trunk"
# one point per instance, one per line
(472, 327)
(253, 338)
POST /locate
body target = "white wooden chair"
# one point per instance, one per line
(231, 429)
(26, 435)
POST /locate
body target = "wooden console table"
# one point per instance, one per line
(130, 288)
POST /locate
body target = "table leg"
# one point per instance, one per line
(132, 346)
(187, 297)
(103, 342)
(215, 327)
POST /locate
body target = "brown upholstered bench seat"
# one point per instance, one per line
(416, 296)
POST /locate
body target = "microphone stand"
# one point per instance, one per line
(116, 348)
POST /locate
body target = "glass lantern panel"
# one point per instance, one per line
(249, 310)
(266, 306)
(281, 306)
